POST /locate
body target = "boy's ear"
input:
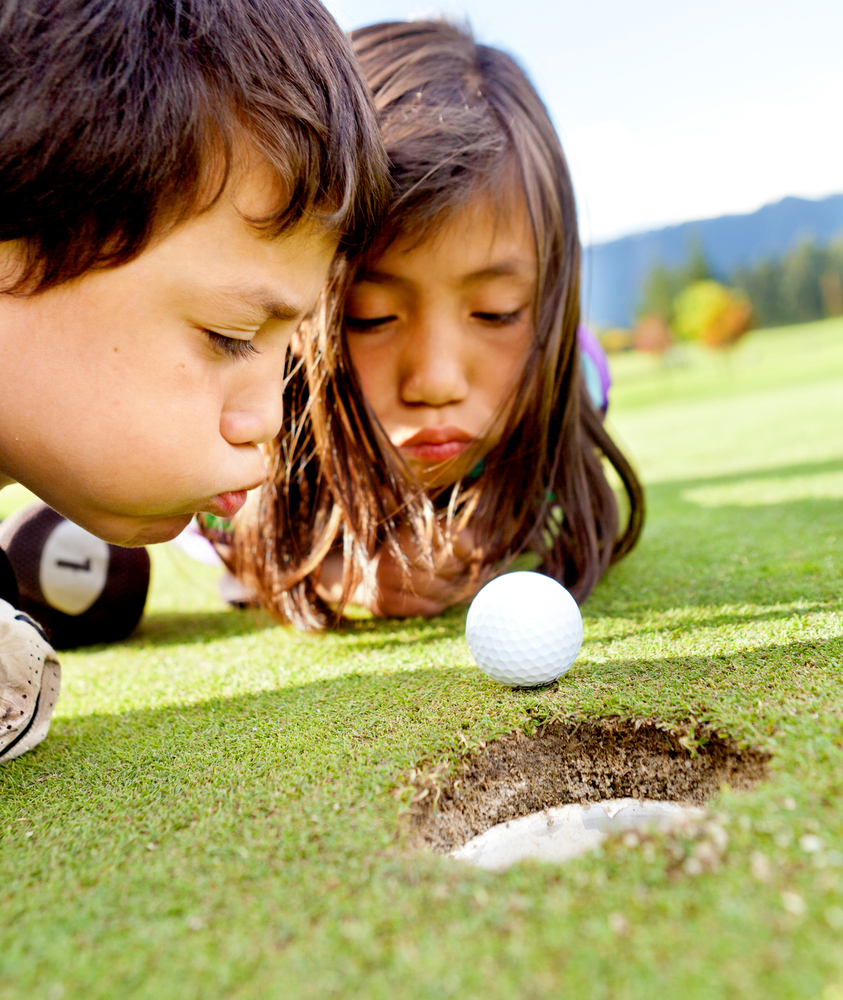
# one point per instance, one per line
(12, 262)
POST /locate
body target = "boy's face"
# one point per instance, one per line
(131, 398)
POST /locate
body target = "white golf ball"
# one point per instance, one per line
(524, 629)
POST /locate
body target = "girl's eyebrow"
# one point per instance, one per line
(515, 268)
(377, 277)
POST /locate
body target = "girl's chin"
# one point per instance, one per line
(431, 475)
(441, 473)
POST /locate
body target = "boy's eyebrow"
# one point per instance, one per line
(260, 302)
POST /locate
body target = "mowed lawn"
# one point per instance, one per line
(217, 811)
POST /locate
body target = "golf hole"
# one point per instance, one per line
(559, 792)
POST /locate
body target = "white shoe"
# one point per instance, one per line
(30, 679)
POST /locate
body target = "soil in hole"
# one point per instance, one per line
(575, 761)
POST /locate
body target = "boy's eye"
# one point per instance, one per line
(357, 325)
(499, 319)
(231, 347)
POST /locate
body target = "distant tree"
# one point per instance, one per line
(663, 284)
(803, 285)
(831, 281)
(615, 340)
(660, 288)
(697, 266)
(652, 334)
(801, 292)
(831, 286)
(763, 285)
(712, 314)
(835, 257)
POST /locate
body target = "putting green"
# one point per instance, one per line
(217, 811)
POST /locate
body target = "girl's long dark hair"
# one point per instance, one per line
(458, 120)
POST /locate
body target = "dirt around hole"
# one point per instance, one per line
(575, 761)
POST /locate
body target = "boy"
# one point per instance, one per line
(175, 180)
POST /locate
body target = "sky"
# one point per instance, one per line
(670, 111)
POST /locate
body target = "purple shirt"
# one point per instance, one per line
(595, 368)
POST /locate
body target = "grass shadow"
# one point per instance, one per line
(682, 625)
(382, 633)
(171, 628)
(693, 555)
(244, 738)
(775, 471)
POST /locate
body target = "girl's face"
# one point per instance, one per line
(438, 333)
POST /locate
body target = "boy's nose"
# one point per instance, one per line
(434, 369)
(254, 416)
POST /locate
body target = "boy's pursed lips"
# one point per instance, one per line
(226, 504)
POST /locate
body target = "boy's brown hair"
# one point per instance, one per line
(119, 118)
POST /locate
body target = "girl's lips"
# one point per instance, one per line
(435, 452)
(226, 504)
(436, 444)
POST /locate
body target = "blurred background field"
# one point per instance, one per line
(765, 359)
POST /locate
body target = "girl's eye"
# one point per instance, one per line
(499, 319)
(356, 325)
(231, 347)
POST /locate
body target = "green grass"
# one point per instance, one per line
(216, 812)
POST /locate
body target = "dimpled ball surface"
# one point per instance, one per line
(524, 629)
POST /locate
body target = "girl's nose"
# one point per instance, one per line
(434, 367)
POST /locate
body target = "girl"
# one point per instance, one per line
(439, 423)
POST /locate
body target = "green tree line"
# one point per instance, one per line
(803, 285)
